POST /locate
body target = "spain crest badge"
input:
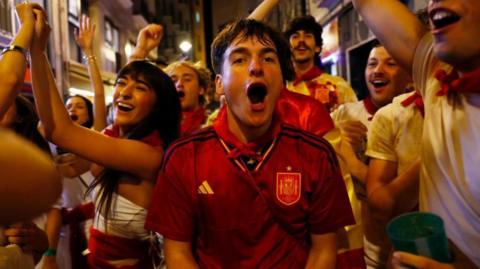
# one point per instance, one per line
(289, 187)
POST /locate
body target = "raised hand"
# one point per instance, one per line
(25, 12)
(84, 35)
(42, 30)
(148, 39)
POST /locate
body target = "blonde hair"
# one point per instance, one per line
(203, 74)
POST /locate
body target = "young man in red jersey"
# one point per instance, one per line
(250, 192)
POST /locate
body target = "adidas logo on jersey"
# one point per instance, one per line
(205, 188)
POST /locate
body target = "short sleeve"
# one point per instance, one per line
(381, 135)
(171, 212)
(422, 63)
(330, 206)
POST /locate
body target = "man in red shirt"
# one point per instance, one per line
(251, 191)
(191, 81)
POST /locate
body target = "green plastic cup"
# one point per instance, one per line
(420, 233)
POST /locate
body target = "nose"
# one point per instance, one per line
(126, 92)
(179, 84)
(255, 67)
(379, 68)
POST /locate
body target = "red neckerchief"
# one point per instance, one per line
(153, 139)
(251, 149)
(370, 106)
(415, 98)
(468, 83)
(192, 121)
(309, 75)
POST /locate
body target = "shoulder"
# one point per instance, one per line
(203, 136)
(310, 140)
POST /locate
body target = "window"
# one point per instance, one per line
(112, 47)
(6, 13)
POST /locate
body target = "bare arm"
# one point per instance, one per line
(148, 39)
(84, 39)
(179, 255)
(395, 26)
(30, 183)
(389, 194)
(323, 251)
(115, 153)
(13, 63)
(52, 229)
(263, 10)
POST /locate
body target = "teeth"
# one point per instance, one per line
(442, 14)
(125, 105)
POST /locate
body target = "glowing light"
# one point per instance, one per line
(185, 46)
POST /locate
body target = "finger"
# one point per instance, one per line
(403, 258)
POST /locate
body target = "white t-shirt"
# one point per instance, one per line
(395, 133)
(450, 172)
(352, 111)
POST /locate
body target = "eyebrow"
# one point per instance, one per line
(243, 50)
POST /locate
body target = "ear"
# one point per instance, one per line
(318, 49)
(219, 85)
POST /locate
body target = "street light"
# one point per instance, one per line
(185, 46)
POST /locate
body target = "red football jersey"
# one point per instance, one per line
(240, 218)
(304, 112)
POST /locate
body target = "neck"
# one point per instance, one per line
(192, 109)
(243, 133)
(302, 67)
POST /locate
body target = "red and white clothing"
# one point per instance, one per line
(241, 218)
(396, 132)
(329, 90)
(192, 121)
(122, 238)
(350, 248)
(449, 176)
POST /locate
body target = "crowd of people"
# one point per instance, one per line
(270, 162)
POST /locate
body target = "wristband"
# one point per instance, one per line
(50, 252)
(15, 48)
(89, 58)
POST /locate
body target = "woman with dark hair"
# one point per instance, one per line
(126, 157)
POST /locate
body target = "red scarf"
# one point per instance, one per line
(415, 98)
(309, 75)
(370, 106)
(192, 121)
(250, 149)
(468, 83)
(153, 139)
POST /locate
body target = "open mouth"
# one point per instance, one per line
(124, 107)
(441, 18)
(74, 117)
(378, 83)
(181, 94)
(256, 93)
